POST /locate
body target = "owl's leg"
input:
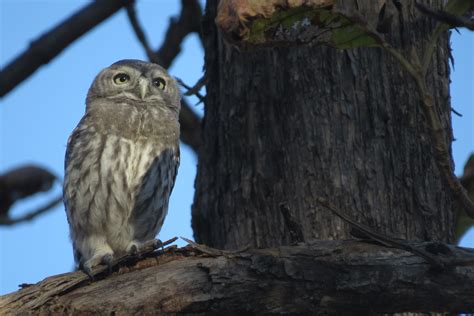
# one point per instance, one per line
(95, 250)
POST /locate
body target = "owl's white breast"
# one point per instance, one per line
(125, 162)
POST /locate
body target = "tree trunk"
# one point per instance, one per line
(286, 125)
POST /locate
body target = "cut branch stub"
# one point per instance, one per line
(250, 24)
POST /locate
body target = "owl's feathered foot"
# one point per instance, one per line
(137, 248)
(106, 259)
(136, 252)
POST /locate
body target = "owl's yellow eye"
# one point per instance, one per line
(159, 83)
(121, 78)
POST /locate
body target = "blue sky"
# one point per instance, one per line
(38, 116)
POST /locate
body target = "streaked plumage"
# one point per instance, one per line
(121, 161)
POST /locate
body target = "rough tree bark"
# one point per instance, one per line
(286, 125)
(326, 277)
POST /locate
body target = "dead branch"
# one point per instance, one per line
(190, 126)
(191, 90)
(326, 277)
(384, 240)
(7, 221)
(140, 34)
(50, 44)
(452, 20)
(188, 22)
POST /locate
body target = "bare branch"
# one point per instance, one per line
(326, 277)
(191, 90)
(190, 126)
(50, 44)
(383, 239)
(132, 16)
(188, 22)
(6, 221)
(452, 20)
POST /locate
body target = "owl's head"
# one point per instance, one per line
(137, 81)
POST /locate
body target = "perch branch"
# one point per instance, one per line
(331, 277)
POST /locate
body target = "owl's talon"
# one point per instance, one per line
(133, 250)
(154, 243)
(158, 244)
(107, 260)
(88, 271)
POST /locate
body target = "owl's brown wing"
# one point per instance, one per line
(152, 197)
(84, 149)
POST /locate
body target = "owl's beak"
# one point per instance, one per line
(143, 87)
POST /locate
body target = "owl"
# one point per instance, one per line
(121, 162)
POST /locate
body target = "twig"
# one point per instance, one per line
(191, 90)
(456, 112)
(6, 221)
(204, 249)
(383, 239)
(198, 85)
(50, 44)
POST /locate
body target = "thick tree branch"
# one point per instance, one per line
(190, 126)
(452, 20)
(50, 44)
(325, 277)
(188, 22)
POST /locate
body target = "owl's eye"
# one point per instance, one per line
(121, 78)
(159, 83)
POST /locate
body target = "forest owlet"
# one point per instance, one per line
(121, 162)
